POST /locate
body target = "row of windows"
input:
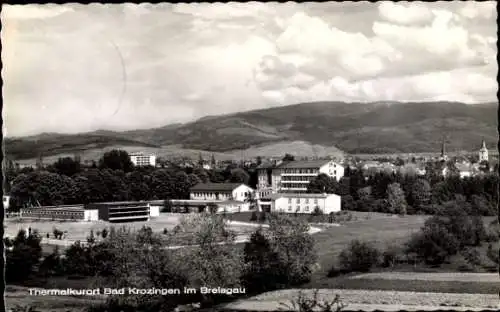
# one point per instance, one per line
(297, 200)
(297, 208)
(292, 178)
(302, 171)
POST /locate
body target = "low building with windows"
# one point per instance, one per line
(122, 211)
(141, 160)
(221, 191)
(300, 203)
(60, 213)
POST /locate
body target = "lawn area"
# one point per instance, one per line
(340, 217)
(382, 232)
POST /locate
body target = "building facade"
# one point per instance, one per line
(121, 211)
(60, 213)
(140, 159)
(295, 176)
(221, 191)
(300, 203)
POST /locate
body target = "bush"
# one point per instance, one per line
(317, 211)
(359, 257)
(390, 257)
(104, 233)
(262, 217)
(472, 256)
(253, 217)
(492, 254)
(434, 243)
(304, 304)
(331, 217)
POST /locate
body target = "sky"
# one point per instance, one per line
(77, 68)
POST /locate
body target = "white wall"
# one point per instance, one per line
(91, 215)
(333, 169)
(331, 203)
(154, 211)
(240, 191)
(6, 201)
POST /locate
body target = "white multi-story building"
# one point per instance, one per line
(139, 159)
(300, 203)
(221, 191)
(296, 175)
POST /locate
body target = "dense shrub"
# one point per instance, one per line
(253, 217)
(262, 216)
(434, 243)
(472, 256)
(317, 211)
(359, 257)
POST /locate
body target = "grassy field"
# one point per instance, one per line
(380, 231)
(341, 217)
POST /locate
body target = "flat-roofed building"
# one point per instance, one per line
(60, 213)
(221, 191)
(300, 203)
(217, 206)
(122, 211)
(140, 159)
(295, 176)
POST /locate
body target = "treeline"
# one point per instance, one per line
(280, 256)
(114, 178)
(411, 194)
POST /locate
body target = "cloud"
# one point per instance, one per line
(408, 13)
(139, 66)
(473, 10)
(21, 12)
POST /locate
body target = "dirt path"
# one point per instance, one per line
(368, 300)
(452, 276)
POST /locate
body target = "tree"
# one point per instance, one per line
(239, 175)
(359, 257)
(116, 160)
(138, 185)
(288, 157)
(323, 184)
(262, 265)
(67, 166)
(434, 243)
(396, 199)
(290, 239)
(23, 259)
(210, 262)
(44, 187)
(420, 194)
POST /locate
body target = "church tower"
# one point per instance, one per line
(483, 153)
(444, 157)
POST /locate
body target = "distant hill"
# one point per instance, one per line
(350, 127)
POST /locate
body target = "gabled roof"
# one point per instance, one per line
(304, 164)
(215, 187)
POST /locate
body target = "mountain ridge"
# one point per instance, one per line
(380, 127)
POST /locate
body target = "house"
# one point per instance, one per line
(221, 191)
(295, 176)
(139, 159)
(300, 203)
